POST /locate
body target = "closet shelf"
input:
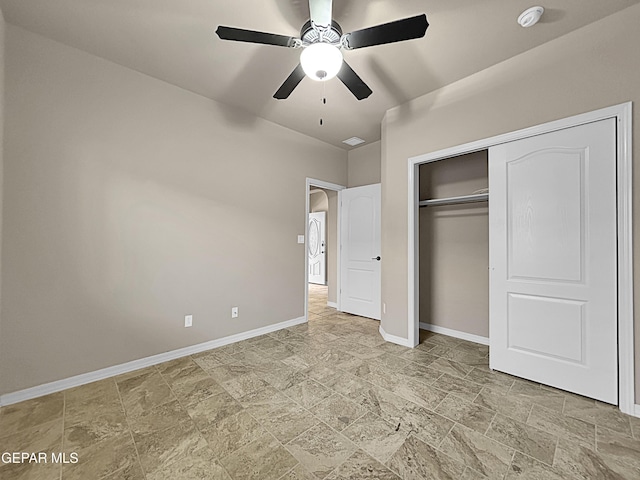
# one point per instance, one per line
(478, 197)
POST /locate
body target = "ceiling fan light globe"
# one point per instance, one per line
(321, 61)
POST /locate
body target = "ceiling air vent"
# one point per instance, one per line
(353, 141)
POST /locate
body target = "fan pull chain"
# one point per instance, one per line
(324, 101)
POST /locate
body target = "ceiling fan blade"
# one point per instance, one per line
(320, 13)
(353, 82)
(290, 83)
(251, 36)
(405, 29)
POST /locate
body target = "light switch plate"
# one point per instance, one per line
(300, 238)
(188, 320)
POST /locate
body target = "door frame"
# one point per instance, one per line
(310, 183)
(622, 113)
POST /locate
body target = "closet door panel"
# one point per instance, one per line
(545, 200)
(552, 248)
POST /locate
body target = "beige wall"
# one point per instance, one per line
(2, 47)
(454, 246)
(327, 201)
(364, 165)
(130, 203)
(591, 68)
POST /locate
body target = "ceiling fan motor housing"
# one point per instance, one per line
(309, 35)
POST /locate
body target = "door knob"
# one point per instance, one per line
(376, 258)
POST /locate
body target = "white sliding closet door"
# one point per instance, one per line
(552, 255)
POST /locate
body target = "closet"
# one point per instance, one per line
(454, 244)
(557, 293)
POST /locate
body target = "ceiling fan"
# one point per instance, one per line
(321, 39)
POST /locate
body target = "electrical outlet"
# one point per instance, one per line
(234, 312)
(384, 308)
(188, 320)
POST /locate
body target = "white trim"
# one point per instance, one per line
(413, 335)
(636, 412)
(332, 305)
(626, 371)
(455, 333)
(77, 380)
(336, 188)
(326, 185)
(394, 339)
(622, 113)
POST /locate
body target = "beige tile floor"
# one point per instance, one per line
(328, 399)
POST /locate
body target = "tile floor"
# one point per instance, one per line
(324, 400)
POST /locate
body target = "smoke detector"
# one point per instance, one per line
(530, 16)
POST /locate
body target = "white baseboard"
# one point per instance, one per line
(636, 413)
(393, 339)
(455, 333)
(332, 305)
(82, 379)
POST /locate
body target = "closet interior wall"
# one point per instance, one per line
(454, 246)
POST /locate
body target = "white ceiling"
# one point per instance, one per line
(175, 41)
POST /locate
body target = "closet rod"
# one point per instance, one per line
(478, 197)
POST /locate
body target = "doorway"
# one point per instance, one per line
(317, 251)
(624, 296)
(321, 289)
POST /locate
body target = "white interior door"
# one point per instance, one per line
(317, 248)
(552, 249)
(360, 255)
